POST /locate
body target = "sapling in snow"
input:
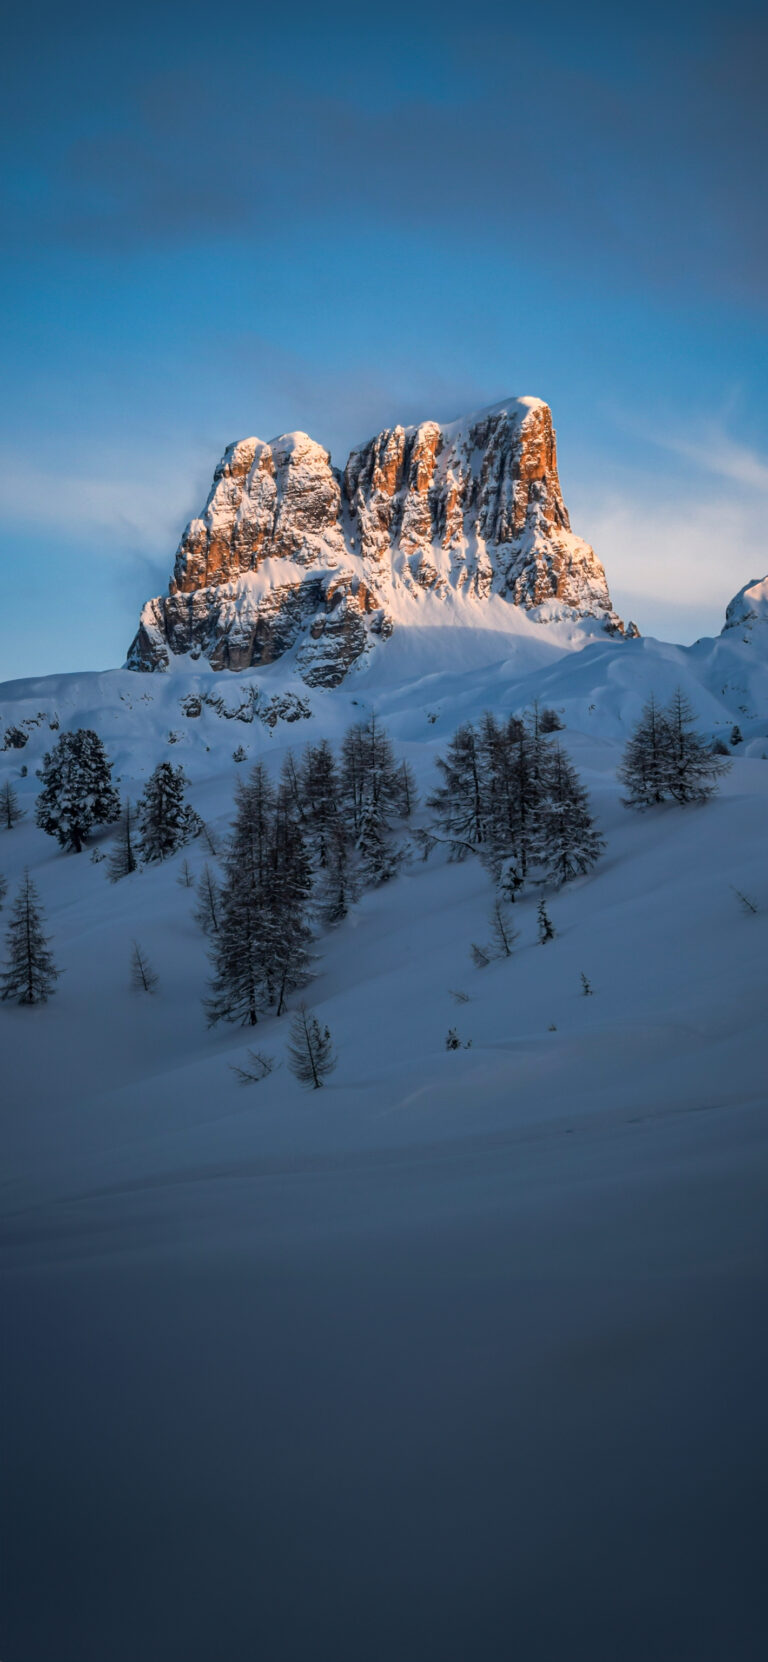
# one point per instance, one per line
(545, 924)
(30, 974)
(10, 810)
(310, 1049)
(144, 979)
(257, 1067)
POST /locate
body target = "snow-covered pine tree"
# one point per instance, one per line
(692, 769)
(237, 991)
(30, 974)
(568, 842)
(379, 858)
(144, 979)
(310, 1049)
(165, 820)
(77, 791)
(644, 769)
(124, 858)
(206, 913)
(10, 810)
(545, 924)
(458, 802)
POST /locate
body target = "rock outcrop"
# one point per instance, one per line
(288, 553)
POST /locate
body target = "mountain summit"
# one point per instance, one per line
(289, 553)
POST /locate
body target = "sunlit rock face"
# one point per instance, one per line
(289, 554)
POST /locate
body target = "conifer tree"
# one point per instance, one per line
(338, 883)
(310, 1049)
(568, 841)
(30, 974)
(3, 889)
(144, 979)
(318, 794)
(186, 877)
(124, 859)
(288, 934)
(692, 768)
(502, 932)
(206, 913)
(10, 811)
(546, 926)
(644, 766)
(458, 801)
(77, 791)
(237, 985)
(166, 821)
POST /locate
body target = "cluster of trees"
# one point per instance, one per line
(510, 794)
(666, 759)
(299, 851)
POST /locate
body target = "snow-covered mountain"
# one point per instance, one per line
(289, 554)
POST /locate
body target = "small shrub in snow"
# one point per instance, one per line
(257, 1067)
(30, 975)
(586, 986)
(748, 905)
(240, 754)
(736, 735)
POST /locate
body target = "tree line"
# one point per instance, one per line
(300, 850)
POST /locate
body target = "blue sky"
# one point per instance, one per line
(220, 223)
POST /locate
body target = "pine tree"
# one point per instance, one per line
(237, 985)
(645, 763)
(3, 889)
(206, 913)
(186, 877)
(166, 822)
(30, 974)
(338, 883)
(458, 801)
(10, 811)
(546, 927)
(407, 795)
(692, 768)
(123, 860)
(144, 979)
(502, 932)
(317, 793)
(379, 858)
(568, 842)
(77, 791)
(288, 934)
(310, 1049)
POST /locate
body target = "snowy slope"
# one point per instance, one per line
(325, 1308)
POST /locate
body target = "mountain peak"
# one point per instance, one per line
(289, 553)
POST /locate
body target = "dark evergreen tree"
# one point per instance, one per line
(30, 974)
(644, 768)
(165, 820)
(379, 858)
(124, 859)
(288, 934)
(77, 791)
(458, 801)
(338, 882)
(144, 979)
(371, 797)
(568, 841)
(545, 924)
(317, 793)
(206, 913)
(549, 722)
(407, 795)
(452, 1042)
(310, 1049)
(237, 985)
(10, 811)
(692, 768)
(736, 735)
(186, 877)
(3, 889)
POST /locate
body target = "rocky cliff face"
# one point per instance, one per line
(289, 553)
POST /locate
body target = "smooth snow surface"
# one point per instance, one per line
(465, 1355)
